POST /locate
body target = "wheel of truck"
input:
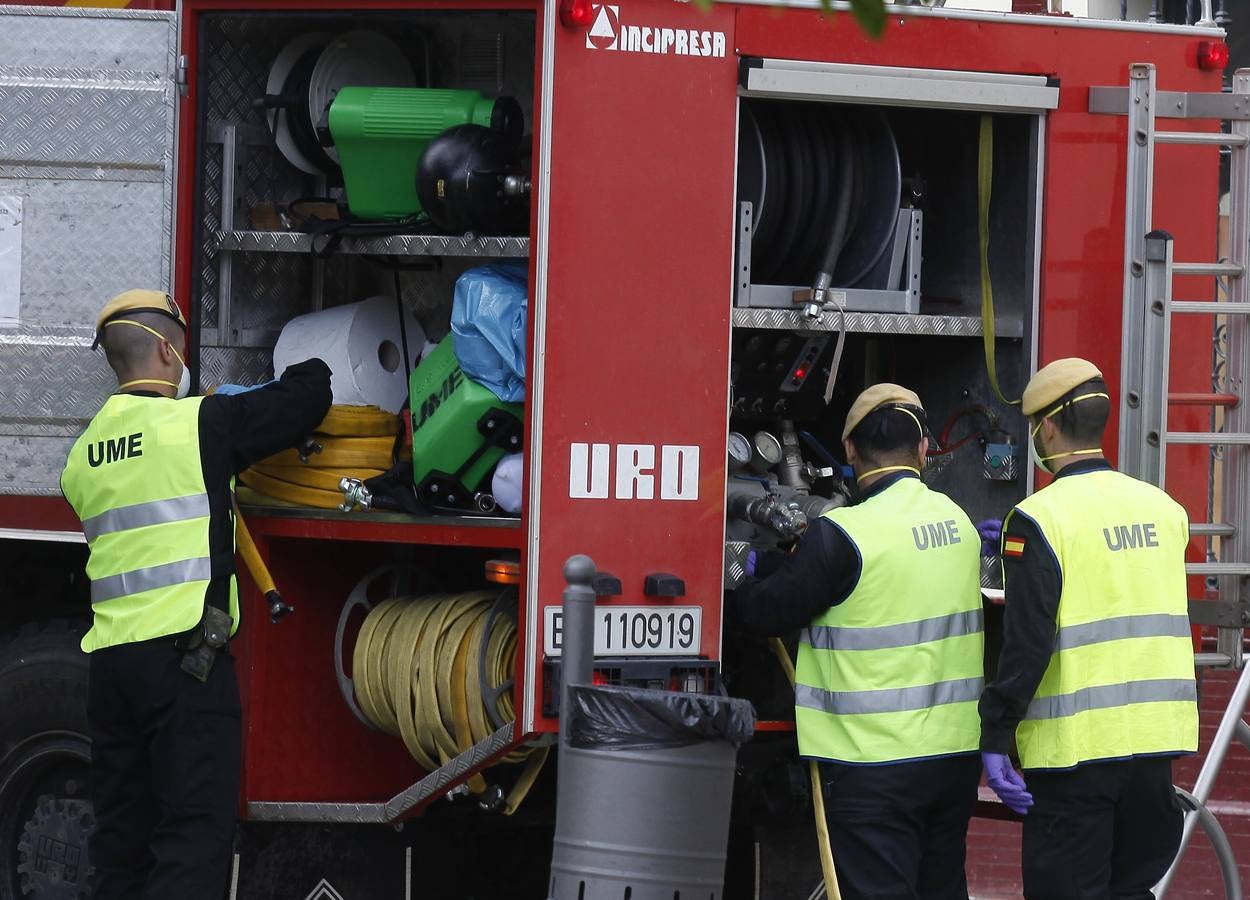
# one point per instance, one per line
(45, 813)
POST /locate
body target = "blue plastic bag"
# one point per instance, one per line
(488, 327)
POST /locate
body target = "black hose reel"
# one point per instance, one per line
(825, 184)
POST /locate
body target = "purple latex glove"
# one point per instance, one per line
(749, 565)
(991, 531)
(1006, 782)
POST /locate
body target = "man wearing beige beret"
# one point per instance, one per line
(1095, 684)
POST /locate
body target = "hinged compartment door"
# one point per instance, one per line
(87, 110)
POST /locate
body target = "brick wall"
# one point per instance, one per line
(994, 847)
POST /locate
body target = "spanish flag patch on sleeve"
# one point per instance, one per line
(1013, 546)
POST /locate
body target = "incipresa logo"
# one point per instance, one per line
(609, 33)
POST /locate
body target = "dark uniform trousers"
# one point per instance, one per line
(1101, 830)
(899, 831)
(166, 753)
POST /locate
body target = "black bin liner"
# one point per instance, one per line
(623, 718)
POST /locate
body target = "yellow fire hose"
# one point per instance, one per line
(351, 442)
(416, 676)
(985, 181)
(246, 547)
(818, 797)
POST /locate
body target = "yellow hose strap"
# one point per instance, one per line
(818, 796)
(359, 421)
(985, 181)
(416, 676)
(251, 555)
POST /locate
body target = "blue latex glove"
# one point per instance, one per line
(750, 563)
(1006, 782)
(991, 531)
(227, 390)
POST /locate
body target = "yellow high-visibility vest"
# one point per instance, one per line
(1120, 681)
(895, 670)
(136, 481)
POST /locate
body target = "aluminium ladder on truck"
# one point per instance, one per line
(1149, 270)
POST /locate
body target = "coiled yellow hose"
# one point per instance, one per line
(416, 676)
(355, 441)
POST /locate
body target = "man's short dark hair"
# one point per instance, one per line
(889, 431)
(1085, 420)
(129, 349)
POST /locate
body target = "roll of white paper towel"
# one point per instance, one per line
(361, 344)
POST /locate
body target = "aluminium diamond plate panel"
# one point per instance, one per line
(234, 365)
(873, 323)
(399, 245)
(87, 115)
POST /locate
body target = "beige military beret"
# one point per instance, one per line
(139, 301)
(875, 397)
(1053, 381)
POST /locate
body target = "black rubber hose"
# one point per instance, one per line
(798, 157)
(776, 185)
(845, 177)
(299, 117)
(824, 164)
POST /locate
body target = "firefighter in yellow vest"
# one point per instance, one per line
(151, 479)
(890, 664)
(1096, 678)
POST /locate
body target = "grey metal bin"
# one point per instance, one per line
(646, 780)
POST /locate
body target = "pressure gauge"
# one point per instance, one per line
(766, 451)
(739, 451)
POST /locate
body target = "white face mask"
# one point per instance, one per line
(1035, 453)
(183, 388)
(184, 382)
(1035, 448)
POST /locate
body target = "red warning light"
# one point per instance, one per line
(799, 373)
(1212, 55)
(576, 13)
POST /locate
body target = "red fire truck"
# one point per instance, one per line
(732, 209)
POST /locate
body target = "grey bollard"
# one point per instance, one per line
(577, 649)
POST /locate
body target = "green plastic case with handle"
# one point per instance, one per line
(380, 134)
(460, 429)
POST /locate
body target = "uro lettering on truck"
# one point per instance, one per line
(592, 467)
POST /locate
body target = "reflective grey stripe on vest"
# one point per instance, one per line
(138, 515)
(1109, 696)
(137, 580)
(1120, 628)
(852, 703)
(882, 637)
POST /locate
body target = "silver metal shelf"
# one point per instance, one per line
(874, 323)
(373, 516)
(396, 245)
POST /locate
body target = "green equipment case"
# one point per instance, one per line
(381, 132)
(460, 429)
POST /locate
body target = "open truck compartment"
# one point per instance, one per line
(311, 139)
(893, 182)
(896, 186)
